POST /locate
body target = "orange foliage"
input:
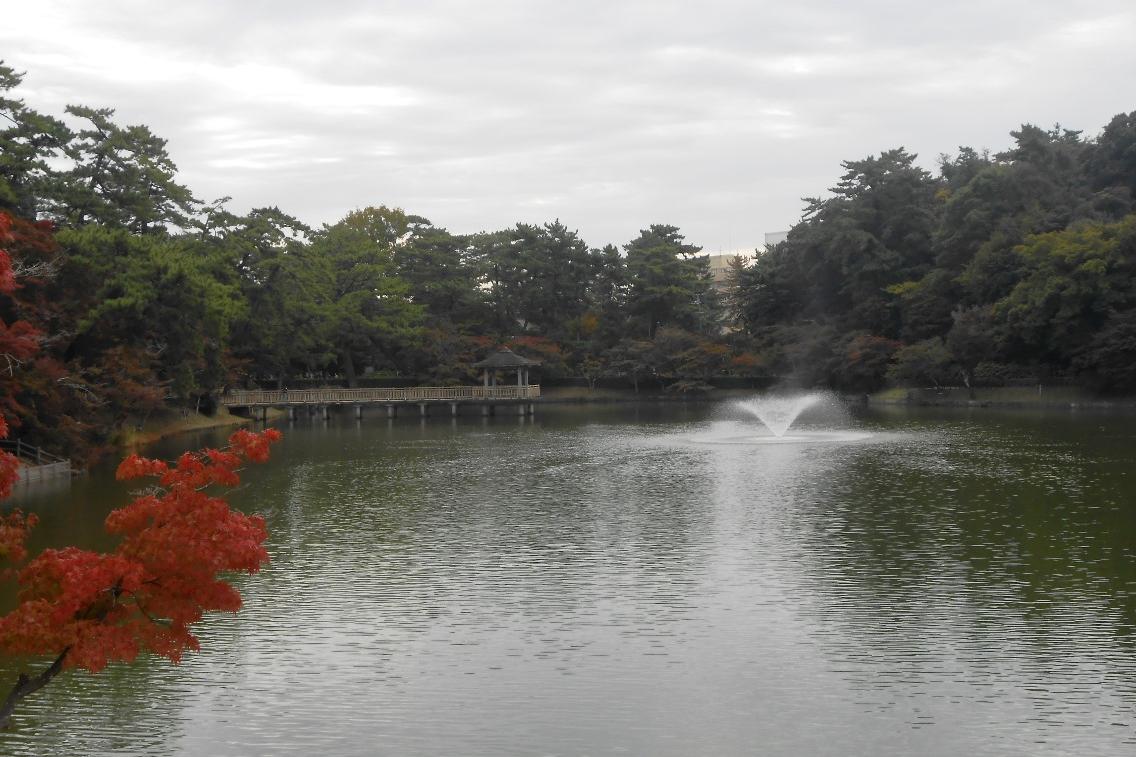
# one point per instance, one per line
(589, 322)
(14, 530)
(540, 345)
(746, 360)
(7, 282)
(9, 467)
(177, 541)
(18, 341)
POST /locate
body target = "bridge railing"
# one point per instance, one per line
(29, 453)
(248, 398)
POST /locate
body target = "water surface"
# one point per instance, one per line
(640, 580)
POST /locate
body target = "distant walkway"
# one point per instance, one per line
(485, 397)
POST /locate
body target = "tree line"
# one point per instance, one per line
(134, 294)
(1012, 267)
(139, 294)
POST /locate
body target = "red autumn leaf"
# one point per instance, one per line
(177, 545)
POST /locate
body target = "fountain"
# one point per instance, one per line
(779, 412)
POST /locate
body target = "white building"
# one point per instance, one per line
(775, 237)
(720, 265)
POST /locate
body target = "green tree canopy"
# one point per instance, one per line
(669, 282)
(121, 176)
(28, 142)
(365, 311)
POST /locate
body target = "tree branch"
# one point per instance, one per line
(156, 621)
(26, 686)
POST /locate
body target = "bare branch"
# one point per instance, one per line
(13, 363)
(45, 269)
(68, 382)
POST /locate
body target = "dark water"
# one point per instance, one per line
(652, 581)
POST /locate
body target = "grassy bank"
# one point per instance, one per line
(999, 396)
(170, 423)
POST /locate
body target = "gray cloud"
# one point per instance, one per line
(716, 116)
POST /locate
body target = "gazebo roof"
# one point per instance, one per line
(505, 358)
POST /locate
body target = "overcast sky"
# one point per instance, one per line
(716, 117)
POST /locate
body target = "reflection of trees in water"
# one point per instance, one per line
(544, 525)
(991, 554)
(431, 528)
(959, 564)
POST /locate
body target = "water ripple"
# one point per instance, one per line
(582, 587)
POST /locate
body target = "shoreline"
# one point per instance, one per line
(581, 395)
(1062, 397)
(1041, 397)
(171, 424)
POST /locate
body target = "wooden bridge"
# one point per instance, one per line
(519, 398)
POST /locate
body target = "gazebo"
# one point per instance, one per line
(504, 359)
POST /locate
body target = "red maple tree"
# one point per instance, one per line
(19, 340)
(177, 541)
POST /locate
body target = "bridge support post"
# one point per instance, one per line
(291, 412)
(422, 409)
(391, 412)
(454, 409)
(359, 412)
(521, 410)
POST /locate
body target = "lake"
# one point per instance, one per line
(649, 580)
